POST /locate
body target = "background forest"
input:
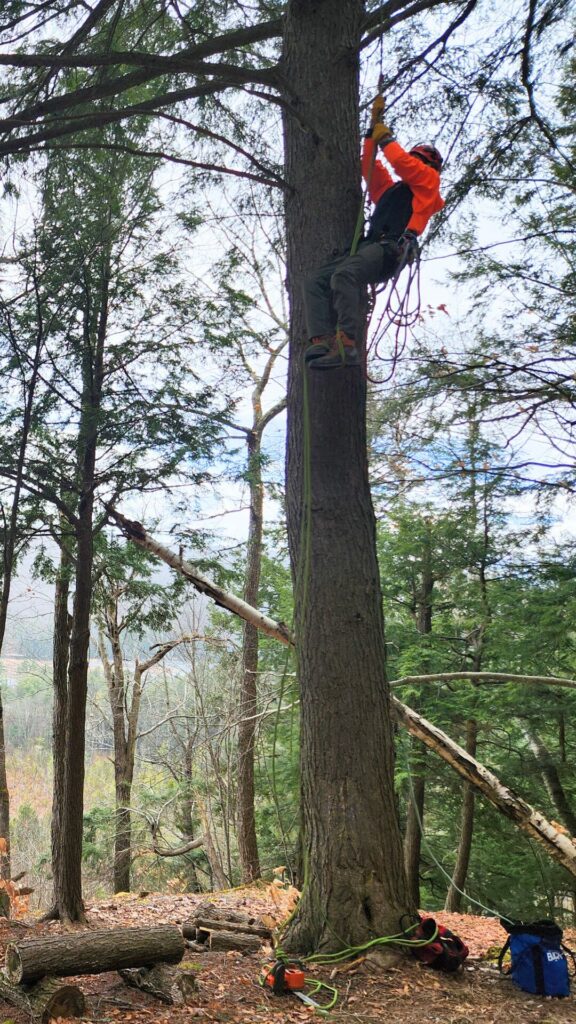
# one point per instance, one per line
(143, 360)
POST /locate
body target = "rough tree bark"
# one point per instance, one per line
(68, 883)
(355, 886)
(47, 1000)
(92, 952)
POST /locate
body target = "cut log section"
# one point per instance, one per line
(170, 985)
(93, 952)
(196, 924)
(215, 929)
(46, 1000)
(220, 941)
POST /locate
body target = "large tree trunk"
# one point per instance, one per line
(454, 894)
(47, 1000)
(355, 886)
(68, 883)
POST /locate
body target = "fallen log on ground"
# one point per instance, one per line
(46, 1000)
(93, 952)
(222, 941)
(195, 924)
(170, 985)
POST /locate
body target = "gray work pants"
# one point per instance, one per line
(333, 293)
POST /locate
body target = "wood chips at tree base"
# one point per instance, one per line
(227, 991)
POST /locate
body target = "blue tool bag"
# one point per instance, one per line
(539, 964)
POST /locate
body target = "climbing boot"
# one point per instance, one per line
(343, 352)
(319, 346)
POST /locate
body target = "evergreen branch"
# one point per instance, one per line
(105, 117)
(181, 61)
(200, 130)
(160, 154)
(484, 677)
(392, 13)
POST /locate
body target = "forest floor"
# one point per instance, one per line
(400, 991)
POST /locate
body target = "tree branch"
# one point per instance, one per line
(484, 677)
(135, 532)
(392, 12)
(171, 158)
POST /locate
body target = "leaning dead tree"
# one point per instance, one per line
(559, 846)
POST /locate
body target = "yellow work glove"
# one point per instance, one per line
(377, 110)
(382, 134)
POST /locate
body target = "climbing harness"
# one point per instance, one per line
(444, 951)
(400, 311)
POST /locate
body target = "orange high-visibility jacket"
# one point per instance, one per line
(422, 180)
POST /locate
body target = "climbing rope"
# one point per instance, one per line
(293, 974)
(401, 311)
(425, 843)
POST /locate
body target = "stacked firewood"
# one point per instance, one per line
(220, 930)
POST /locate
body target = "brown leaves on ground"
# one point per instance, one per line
(228, 991)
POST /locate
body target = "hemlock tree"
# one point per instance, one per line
(355, 885)
(354, 880)
(115, 426)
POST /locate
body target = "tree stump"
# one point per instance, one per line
(93, 952)
(47, 999)
(170, 985)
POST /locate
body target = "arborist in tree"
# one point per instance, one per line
(333, 293)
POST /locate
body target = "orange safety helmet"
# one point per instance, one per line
(429, 155)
